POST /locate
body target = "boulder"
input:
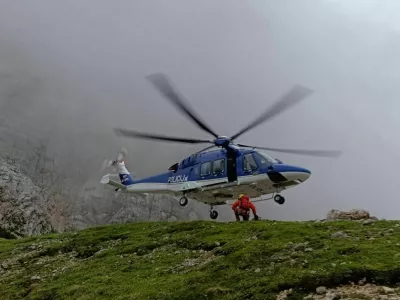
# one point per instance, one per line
(354, 214)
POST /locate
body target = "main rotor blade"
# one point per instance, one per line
(205, 149)
(164, 86)
(320, 153)
(149, 136)
(295, 95)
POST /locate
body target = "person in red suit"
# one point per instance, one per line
(242, 208)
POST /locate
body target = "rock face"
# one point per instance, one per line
(361, 290)
(354, 214)
(22, 207)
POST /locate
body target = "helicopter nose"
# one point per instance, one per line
(292, 173)
(303, 175)
(297, 174)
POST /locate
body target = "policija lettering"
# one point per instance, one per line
(178, 178)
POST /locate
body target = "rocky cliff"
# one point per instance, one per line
(23, 210)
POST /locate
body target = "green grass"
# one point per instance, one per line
(198, 260)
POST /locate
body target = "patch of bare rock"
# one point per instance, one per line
(350, 292)
(354, 214)
(359, 215)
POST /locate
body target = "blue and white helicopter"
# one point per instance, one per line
(215, 176)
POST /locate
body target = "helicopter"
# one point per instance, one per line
(215, 176)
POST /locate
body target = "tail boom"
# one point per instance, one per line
(107, 180)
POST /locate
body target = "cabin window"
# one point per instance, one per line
(197, 170)
(249, 164)
(219, 166)
(206, 169)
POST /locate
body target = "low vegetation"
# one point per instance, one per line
(202, 260)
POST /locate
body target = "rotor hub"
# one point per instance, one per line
(222, 141)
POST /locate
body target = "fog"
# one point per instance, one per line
(231, 59)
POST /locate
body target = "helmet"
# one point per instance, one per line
(240, 196)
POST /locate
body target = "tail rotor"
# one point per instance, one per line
(108, 163)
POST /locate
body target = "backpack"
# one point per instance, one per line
(245, 203)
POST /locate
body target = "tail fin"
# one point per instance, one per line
(126, 179)
(124, 175)
(119, 166)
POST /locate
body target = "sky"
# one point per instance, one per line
(231, 59)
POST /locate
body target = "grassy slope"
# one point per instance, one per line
(198, 260)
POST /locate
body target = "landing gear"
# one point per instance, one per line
(183, 201)
(279, 199)
(213, 213)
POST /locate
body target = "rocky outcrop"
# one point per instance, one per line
(354, 214)
(361, 290)
(22, 207)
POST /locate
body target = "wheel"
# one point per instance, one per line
(213, 214)
(183, 201)
(279, 199)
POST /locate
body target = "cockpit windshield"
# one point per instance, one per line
(270, 159)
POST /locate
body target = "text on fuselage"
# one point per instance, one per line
(178, 178)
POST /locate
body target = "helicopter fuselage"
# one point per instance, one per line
(216, 176)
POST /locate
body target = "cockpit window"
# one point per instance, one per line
(174, 167)
(269, 159)
(249, 164)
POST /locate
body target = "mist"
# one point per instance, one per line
(82, 66)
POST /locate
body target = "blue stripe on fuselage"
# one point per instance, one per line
(161, 178)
